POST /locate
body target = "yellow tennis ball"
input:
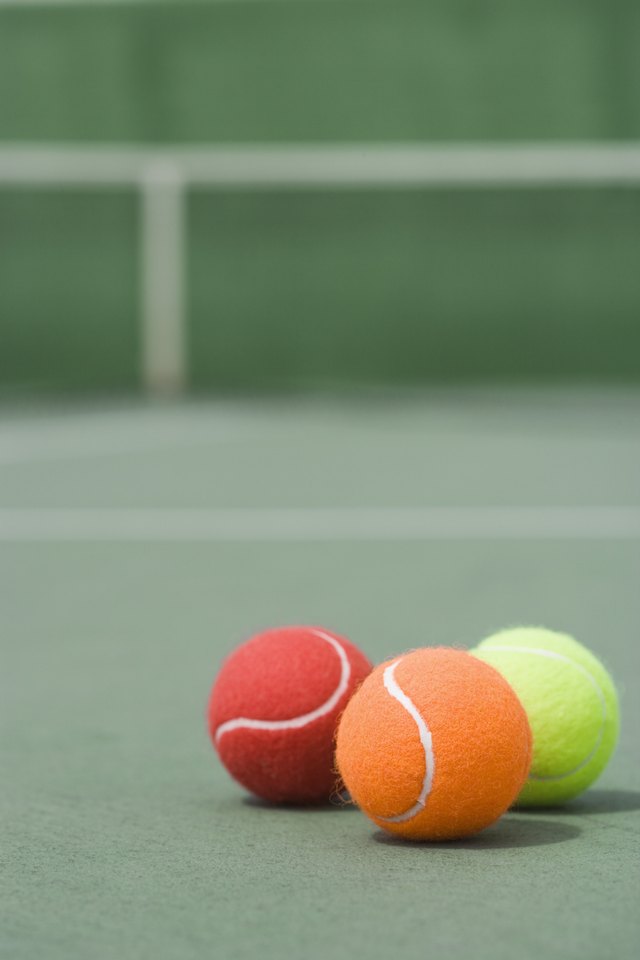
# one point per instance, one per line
(571, 703)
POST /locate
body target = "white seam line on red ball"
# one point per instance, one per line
(506, 648)
(426, 740)
(296, 722)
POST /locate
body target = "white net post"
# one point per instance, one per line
(164, 348)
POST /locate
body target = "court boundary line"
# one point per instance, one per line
(322, 524)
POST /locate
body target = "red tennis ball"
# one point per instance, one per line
(274, 709)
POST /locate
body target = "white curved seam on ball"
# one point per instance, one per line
(426, 740)
(594, 683)
(301, 721)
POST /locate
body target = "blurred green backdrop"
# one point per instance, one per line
(289, 288)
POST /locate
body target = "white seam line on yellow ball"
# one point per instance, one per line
(296, 722)
(394, 690)
(533, 778)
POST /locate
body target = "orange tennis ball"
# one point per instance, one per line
(433, 748)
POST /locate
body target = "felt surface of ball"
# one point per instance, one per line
(434, 745)
(572, 707)
(274, 707)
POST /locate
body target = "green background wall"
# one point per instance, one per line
(322, 70)
(69, 312)
(414, 286)
(328, 287)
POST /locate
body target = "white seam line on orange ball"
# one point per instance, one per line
(506, 648)
(394, 690)
(296, 722)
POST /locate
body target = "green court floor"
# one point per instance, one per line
(140, 543)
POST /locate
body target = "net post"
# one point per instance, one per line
(162, 255)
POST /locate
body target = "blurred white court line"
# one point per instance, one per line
(43, 449)
(258, 525)
(93, 434)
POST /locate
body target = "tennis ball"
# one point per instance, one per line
(572, 707)
(274, 707)
(434, 745)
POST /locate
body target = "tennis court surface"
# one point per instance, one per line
(139, 543)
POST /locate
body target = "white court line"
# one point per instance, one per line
(320, 524)
(22, 448)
